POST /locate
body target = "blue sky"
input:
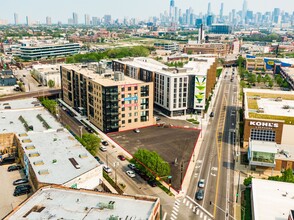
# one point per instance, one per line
(61, 10)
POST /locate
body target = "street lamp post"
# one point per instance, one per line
(115, 165)
(81, 131)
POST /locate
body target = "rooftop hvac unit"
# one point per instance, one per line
(118, 76)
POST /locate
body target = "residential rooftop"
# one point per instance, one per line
(47, 68)
(272, 200)
(48, 148)
(62, 203)
(198, 66)
(105, 79)
(269, 105)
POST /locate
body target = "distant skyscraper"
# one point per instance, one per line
(75, 18)
(244, 11)
(15, 19)
(48, 20)
(209, 20)
(276, 15)
(234, 16)
(27, 21)
(209, 9)
(176, 14)
(171, 8)
(94, 20)
(221, 13)
(87, 19)
(70, 21)
(107, 19)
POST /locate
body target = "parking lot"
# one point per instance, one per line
(7, 201)
(174, 145)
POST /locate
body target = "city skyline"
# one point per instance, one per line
(61, 11)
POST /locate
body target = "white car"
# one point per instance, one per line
(107, 169)
(201, 183)
(103, 148)
(136, 130)
(130, 173)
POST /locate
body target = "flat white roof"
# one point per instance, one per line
(263, 146)
(272, 200)
(196, 67)
(272, 107)
(59, 203)
(54, 146)
(285, 152)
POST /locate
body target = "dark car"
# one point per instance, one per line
(132, 166)
(211, 114)
(23, 187)
(13, 168)
(105, 143)
(199, 194)
(20, 181)
(21, 191)
(152, 183)
(97, 158)
(7, 160)
(121, 157)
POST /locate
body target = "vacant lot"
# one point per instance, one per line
(174, 145)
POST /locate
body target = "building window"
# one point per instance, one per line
(123, 109)
(130, 114)
(136, 88)
(123, 115)
(123, 122)
(130, 121)
(136, 119)
(123, 89)
(130, 108)
(129, 88)
(263, 135)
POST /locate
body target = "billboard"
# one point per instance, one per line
(199, 93)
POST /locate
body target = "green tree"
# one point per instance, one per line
(91, 142)
(150, 160)
(51, 83)
(49, 104)
(247, 181)
(259, 78)
(279, 79)
(267, 78)
(285, 84)
(270, 83)
(252, 78)
(287, 176)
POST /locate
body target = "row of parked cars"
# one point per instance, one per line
(134, 170)
(21, 186)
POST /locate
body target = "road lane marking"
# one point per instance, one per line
(174, 212)
(174, 216)
(164, 216)
(214, 168)
(187, 203)
(201, 214)
(191, 205)
(205, 217)
(184, 200)
(212, 174)
(197, 213)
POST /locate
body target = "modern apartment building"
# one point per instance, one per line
(31, 51)
(112, 102)
(166, 46)
(177, 91)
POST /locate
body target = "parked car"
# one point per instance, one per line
(131, 166)
(23, 187)
(211, 114)
(131, 173)
(20, 181)
(13, 168)
(121, 157)
(136, 130)
(21, 191)
(201, 183)
(199, 194)
(107, 169)
(104, 143)
(152, 183)
(99, 160)
(103, 148)
(7, 160)
(157, 118)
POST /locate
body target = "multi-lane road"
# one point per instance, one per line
(215, 160)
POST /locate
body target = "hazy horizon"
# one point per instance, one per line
(62, 10)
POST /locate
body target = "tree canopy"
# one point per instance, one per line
(287, 176)
(146, 159)
(91, 142)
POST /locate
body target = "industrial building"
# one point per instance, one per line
(177, 91)
(7, 78)
(111, 101)
(219, 49)
(166, 46)
(48, 152)
(55, 202)
(44, 73)
(31, 50)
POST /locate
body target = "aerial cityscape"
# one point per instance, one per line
(170, 110)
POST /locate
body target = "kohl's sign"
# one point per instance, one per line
(264, 124)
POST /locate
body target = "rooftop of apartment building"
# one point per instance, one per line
(28, 43)
(197, 66)
(269, 104)
(271, 199)
(64, 203)
(105, 78)
(47, 144)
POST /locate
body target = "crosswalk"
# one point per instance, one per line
(181, 202)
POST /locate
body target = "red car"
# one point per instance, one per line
(121, 157)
